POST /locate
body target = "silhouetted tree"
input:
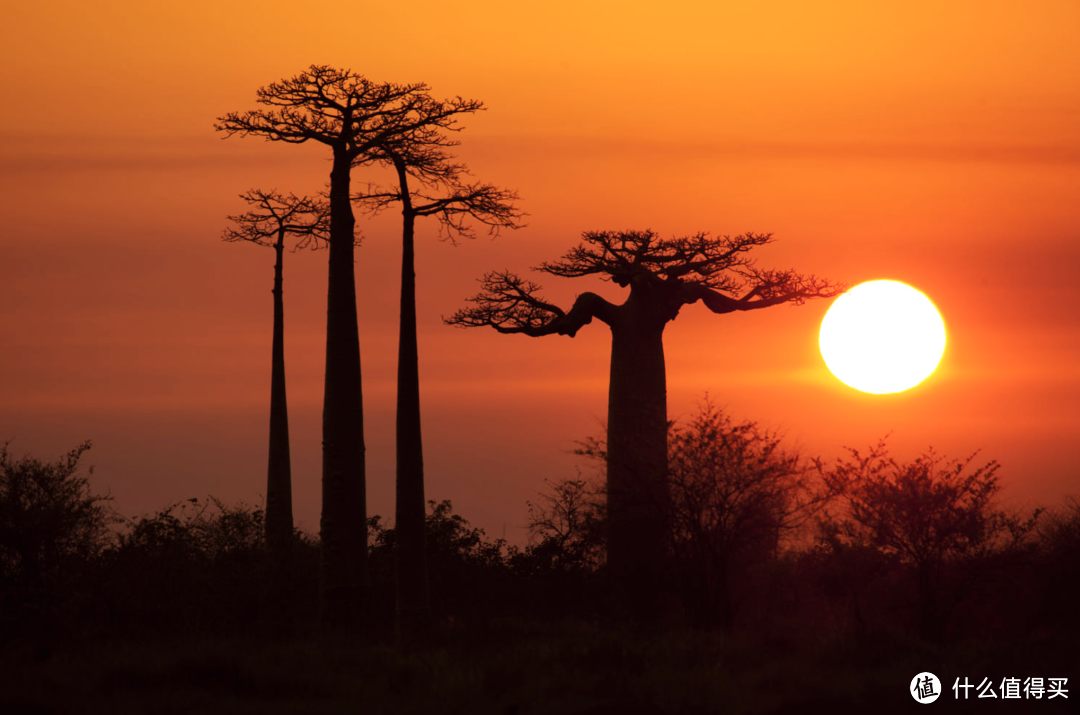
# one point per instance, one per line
(1059, 561)
(48, 513)
(736, 494)
(566, 527)
(353, 117)
(273, 217)
(51, 526)
(932, 516)
(663, 275)
(429, 183)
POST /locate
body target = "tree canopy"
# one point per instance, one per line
(347, 111)
(718, 271)
(274, 215)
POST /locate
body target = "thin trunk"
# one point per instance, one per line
(638, 495)
(413, 605)
(343, 525)
(279, 517)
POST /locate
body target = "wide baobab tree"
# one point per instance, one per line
(352, 116)
(428, 184)
(273, 217)
(662, 276)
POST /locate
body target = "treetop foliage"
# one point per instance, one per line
(209, 528)
(455, 203)
(347, 111)
(734, 484)
(926, 511)
(275, 215)
(670, 273)
(48, 514)
(625, 256)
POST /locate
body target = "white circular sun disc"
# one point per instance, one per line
(882, 336)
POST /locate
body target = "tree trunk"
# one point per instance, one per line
(638, 494)
(413, 605)
(279, 517)
(343, 527)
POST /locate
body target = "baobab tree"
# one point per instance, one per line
(273, 217)
(353, 116)
(662, 276)
(429, 184)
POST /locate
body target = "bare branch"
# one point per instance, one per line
(443, 192)
(485, 204)
(276, 215)
(666, 274)
(626, 257)
(509, 304)
(345, 110)
(769, 288)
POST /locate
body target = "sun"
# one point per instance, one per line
(882, 336)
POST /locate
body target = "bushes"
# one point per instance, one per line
(903, 545)
(200, 565)
(937, 517)
(48, 515)
(52, 528)
(467, 572)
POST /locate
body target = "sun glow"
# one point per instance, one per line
(882, 336)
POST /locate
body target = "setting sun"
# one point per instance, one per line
(882, 336)
(470, 350)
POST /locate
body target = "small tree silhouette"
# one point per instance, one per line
(429, 183)
(353, 116)
(566, 527)
(52, 525)
(273, 217)
(663, 275)
(737, 493)
(934, 515)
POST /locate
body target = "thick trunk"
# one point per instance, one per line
(344, 512)
(638, 495)
(413, 605)
(279, 518)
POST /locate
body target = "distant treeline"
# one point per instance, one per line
(764, 544)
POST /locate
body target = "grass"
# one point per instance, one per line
(515, 666)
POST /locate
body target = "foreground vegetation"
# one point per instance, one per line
(792, 587)
(512, 666)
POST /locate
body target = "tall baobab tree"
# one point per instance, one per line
(273, 217)
(353, 116)
(428, 183)
(662, 275)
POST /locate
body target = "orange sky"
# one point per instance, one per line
(937, 146)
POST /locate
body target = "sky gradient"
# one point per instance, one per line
(935, 146)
